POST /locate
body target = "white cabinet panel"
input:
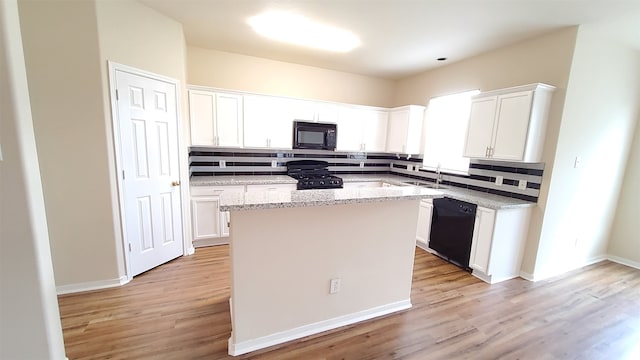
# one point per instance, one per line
(509, 124)
(404, 129)
(216, 118)
(374, 135)
(201, 111)
(424, 223)
(482, 239)
(480, 130)
(206, 217)
(512, 123)
(362, 129)
(268, 122)
(229, 120)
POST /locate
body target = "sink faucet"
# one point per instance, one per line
(438, 176)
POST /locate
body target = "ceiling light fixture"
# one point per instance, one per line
(296, 29)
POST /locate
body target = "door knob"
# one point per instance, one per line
(175, 183)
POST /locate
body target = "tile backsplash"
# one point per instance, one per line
(210, 161)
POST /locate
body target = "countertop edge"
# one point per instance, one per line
(281, 205)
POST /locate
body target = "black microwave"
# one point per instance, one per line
(312, 135)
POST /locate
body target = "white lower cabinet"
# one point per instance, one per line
(424, 223)
(209, 224)
(499, 238)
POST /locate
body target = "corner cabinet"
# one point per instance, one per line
(215, 118)
(509, 124)
(499, 238)
(404, 130)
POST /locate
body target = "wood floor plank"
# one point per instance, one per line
(180, 310)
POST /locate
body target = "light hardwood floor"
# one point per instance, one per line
(180, 310)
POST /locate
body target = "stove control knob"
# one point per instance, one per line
(321, 182)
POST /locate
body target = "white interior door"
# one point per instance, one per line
(148, 133)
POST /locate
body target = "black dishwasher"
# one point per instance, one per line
(452, 230)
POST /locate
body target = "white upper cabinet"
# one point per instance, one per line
(268, 122)
(509, 124)
(313, 111)
(216, 118)
(362, 129)
(404, 130)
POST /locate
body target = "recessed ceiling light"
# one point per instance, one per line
(442, 59)
(297, 29)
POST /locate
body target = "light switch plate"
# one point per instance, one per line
(222, 164)
(522, 184)
(499, 180)
(361, 164)
(274, 163)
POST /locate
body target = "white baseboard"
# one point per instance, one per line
(91, 285)
(623, 261)
(210, 242)
(190, 251)
(538, 276)
(246, 346)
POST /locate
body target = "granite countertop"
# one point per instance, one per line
(479, 198)
(242, 180)
(306, 198)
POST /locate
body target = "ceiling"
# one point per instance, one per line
(399, 37)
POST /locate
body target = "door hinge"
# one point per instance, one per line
(129, 247)
(122, 174)
(117, 95)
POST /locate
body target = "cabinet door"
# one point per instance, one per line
(228, 120)
(201, 117)
(326, 112)
(480, 129)
(424, 222)
(397, 131)
(374, 129)
(205, 211)
(258, 113)
(350, 130)
(225, 219)
(512, 124)
(482, 240)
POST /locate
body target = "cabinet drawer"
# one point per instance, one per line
(271, 187)
(215, 190)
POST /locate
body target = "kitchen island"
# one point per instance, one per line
(308, 261)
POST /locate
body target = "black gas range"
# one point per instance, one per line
(313, 174)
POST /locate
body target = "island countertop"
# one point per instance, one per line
(305, 198)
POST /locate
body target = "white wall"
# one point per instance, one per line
(29, 319)
(67, 45)
(246, 73)
(600, 114)
(624, 242)
(65, 84)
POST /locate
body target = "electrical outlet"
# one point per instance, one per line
(522, 184)
(274, 163)
(222, 163)
(361, 164)
(416, 168)
(410, 167)
(499, 180)
(334, 287)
